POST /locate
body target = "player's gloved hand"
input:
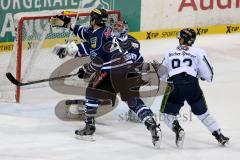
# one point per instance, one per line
(81, 72)
(60, 21)
(72, 49)
(62, 50)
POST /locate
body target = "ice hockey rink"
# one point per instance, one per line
(31, 131)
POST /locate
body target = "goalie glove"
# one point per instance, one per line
(60, 21)
(62, 50)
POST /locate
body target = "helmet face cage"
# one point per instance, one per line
(99, 16)
(120, 28)
(188, 35)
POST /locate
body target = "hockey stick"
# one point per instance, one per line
(12, 79)
(83, 102)
(155, 64)
(75, 22)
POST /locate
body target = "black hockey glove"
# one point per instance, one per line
(60, 50)
(81, 72)
(60, 21)
(61, 53)
(84, 72)
(89, 69)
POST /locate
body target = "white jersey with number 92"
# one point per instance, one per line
(191, 60)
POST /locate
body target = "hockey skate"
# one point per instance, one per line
(86, 133)
(180, 134)
(220, 138)
(155, 131)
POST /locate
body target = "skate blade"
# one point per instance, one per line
(180, 141)
(89, 138)
(157, 144)
(226, 144)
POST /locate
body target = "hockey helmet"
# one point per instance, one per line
(120, 28)
(99, 16)
(188, 36)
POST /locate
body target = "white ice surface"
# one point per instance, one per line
(30, 130)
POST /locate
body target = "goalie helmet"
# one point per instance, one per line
(99, 16)
(187, 36)
(120, 29)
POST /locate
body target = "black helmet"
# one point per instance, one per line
(188, 35)
(99, 15)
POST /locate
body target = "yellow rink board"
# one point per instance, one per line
(170, 33)
(145, 35)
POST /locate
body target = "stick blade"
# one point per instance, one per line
(12, 79)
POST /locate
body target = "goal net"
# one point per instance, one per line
(32, 57)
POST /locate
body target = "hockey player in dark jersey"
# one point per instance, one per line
(102, 47)
(129, 44)
(131, 48)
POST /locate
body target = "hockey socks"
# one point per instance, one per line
(208, 120)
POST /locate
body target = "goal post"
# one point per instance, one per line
(31, 58)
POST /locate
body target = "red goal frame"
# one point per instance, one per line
(20, 42)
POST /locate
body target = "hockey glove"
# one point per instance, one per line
(72, 49)
(62, 50)
(84, 72)
(87, 70)
(60, 21)
(81, 72)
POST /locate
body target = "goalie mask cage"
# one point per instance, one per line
(31, 58)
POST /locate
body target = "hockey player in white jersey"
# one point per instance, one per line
(184, 65)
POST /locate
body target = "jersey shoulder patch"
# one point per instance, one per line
(107, 32)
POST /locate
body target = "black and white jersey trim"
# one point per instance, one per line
(209, 66)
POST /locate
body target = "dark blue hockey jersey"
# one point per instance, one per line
(98, 43)
(132, 48)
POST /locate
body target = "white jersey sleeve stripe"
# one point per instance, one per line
(84, 49)
(208, 64)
